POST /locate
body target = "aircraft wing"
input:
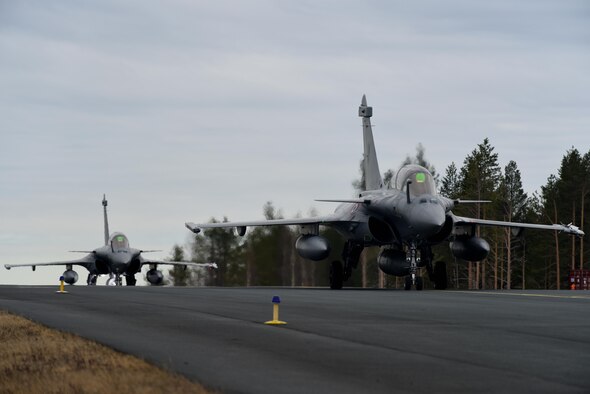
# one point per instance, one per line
(182, 263)
(568, 229)
(326, 220)
(85, 262)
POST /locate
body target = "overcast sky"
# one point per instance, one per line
(186, 110)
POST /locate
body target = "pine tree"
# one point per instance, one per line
(570, 192)
(480, 177)
(179, 276)
(451, 182)
(421, 161)
(513, 200)
(536, 245)
(221, 246)
(480, 174)
(585, 206)
(550, 198)
(359, 184)
(269, 252)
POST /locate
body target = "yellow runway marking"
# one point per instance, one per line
(524, 294)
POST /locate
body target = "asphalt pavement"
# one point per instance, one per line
(349, 341)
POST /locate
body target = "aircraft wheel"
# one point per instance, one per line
(91, 281)
(408, 283)
(419, 283)
(440, 275)
(130, 280)
(336, 275)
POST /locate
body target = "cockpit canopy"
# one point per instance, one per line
(421, 178)
(119, 242)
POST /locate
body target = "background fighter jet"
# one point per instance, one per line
(404, 221)
(116, 259)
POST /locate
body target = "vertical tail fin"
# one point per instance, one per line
(373, 180)
(106, 219)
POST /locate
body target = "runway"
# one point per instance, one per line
(348, 341)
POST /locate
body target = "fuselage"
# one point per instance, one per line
(117, 257)
(410, 211)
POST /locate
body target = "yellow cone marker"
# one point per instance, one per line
(276, 300)
(61, 286)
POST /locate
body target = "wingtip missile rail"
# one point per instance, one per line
(192, 227)
(573, 230)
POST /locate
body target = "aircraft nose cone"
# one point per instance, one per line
(428, 219)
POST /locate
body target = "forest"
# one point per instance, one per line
(530, 259)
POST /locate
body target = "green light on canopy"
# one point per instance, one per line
(420, 177)
(119, 238)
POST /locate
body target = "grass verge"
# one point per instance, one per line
(36, 359)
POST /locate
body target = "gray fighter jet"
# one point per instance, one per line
(115, 259)
(405, 221)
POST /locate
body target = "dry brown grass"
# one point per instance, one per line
(36, 359)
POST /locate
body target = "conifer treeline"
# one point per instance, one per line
(531, 259)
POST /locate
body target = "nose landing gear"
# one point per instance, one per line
(114, 280)
(413, 279)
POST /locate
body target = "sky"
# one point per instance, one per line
(187, 110)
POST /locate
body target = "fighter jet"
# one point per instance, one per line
(405, 221)
(115, 259)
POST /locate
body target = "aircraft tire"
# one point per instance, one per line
(419, 283)
(130, 280)
(408, 283)
(91, 281)
(336, 275)
(440, 275)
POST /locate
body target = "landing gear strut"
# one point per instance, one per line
(437, 274)
(341, 272)
(336, 275)
(130, 279)
(91, 281)
(418, 282)
(115, 280)
(440, 275)
(413, 279)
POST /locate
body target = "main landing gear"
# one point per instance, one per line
(336, 275)
(436, 274)
(130, 280)
(113, 280)
(340, 272)
(439, 275)
(413, 279)
(91, 280)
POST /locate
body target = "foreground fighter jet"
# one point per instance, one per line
(116, 259)
(404, 221)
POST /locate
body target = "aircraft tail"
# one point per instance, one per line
(106, 219)
(373, 180)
